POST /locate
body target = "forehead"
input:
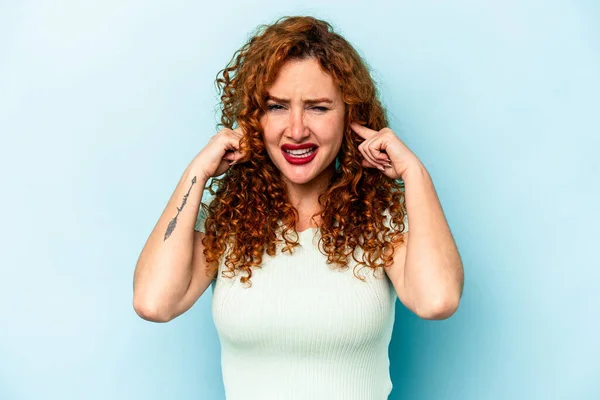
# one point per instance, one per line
(305, 78)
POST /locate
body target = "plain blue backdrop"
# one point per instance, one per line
(104, 104)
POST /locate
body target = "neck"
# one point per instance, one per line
(305, 197)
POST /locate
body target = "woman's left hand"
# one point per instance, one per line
(385, 151)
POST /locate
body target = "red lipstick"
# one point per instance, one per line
(298, 146)
(301, 157)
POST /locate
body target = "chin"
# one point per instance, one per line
(300, 174)
(298, 178)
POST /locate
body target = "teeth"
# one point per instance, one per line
(300, 153)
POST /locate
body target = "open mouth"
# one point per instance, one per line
(301, 153)
(300, 156)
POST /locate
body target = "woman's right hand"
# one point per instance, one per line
(219, 153)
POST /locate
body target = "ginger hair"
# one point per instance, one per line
(250, 200)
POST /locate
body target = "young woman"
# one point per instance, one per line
(305, 236)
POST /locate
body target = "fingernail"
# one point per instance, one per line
(381, 168)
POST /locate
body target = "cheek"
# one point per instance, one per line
(267, 131)
(333, 127)
(271, 131)
(272, 141)
(338, 133)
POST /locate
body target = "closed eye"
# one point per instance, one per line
(279, 107)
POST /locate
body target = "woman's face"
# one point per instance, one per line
(304, 121)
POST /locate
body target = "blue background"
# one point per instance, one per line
(104, 104)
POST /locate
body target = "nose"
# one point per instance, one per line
(298, 130)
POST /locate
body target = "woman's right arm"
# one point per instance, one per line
(170, 274)
(164, 271)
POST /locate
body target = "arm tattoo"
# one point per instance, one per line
(173, 222)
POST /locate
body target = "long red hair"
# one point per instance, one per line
(250, 199)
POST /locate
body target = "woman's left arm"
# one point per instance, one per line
(427, 271)
(433, 271)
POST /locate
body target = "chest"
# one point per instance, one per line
(300, 292)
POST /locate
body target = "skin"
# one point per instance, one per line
(427, 270)
(297, 121)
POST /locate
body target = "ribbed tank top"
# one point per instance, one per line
(304, 330)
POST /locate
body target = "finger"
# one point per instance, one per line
(232, 146)
(372, 153)
(235, 156)
(364, 149)
(364, 152)
(232, 155)
(362, 131)
(378, 154)
(367, 164)
(382, 157)
(228, 155)
(231, 160)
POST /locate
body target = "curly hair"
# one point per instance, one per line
(250, 199)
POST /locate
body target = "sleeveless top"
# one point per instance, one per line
(304, 330)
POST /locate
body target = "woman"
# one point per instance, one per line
(312, 207)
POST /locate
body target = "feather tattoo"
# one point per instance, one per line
(173, 222)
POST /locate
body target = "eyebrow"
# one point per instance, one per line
(307, 101)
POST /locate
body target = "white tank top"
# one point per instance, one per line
(304, 330)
